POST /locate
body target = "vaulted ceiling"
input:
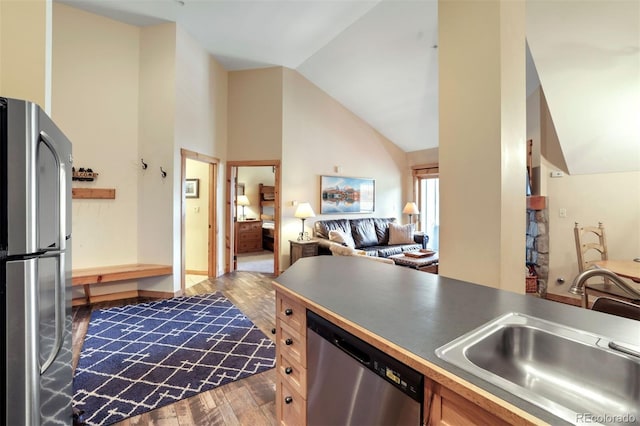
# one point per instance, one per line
(379, 59)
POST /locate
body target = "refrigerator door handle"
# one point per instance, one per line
(62, 194)
(59, 314)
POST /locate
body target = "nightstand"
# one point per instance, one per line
(298, 249)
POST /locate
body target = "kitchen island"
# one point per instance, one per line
(409, 314)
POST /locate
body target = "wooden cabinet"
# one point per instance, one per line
(248, 236)
(442, 406)
(299, 249)
(452, 405)
(291, 361)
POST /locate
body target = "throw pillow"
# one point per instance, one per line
(341, 238)
(401, 234)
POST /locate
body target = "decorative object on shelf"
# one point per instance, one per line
(243, 201)
(410, 208)
(304, 211)
(84, 175)
(192, 188)
(340, 194)
(163, 173)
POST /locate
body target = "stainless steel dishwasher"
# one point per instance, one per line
(352, 383)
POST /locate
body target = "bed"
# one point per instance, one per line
(267, 210)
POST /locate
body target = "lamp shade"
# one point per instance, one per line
(304, 211)
(410, 208)
(242, 200)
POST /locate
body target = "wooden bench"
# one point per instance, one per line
(111, 274)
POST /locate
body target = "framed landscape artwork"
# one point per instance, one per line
(340, 194)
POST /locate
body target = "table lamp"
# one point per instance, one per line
(243, 201)
(410, 209)
(303, 211)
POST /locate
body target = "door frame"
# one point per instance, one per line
(212, 232)
(229, 221)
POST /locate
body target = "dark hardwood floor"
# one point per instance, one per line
(249, 401)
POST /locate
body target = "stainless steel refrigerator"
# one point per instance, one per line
(35, 262)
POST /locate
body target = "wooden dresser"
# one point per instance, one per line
(291, 361)
(248, 236)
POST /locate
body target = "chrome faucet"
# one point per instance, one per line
(577, 287)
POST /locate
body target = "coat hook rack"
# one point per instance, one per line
(144, 165)
(163, 173)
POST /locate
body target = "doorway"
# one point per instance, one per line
(198, 208)
(253, 214)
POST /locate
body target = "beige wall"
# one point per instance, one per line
(25, 51)
(197, 220)
(201, 97)
(95, 103)
(255, 114)
(611, 198)
(482, 162)
(123, 93)
(319, 134)
(156, 209)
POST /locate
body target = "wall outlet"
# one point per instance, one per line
(562, 213)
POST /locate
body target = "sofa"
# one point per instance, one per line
(381, 237)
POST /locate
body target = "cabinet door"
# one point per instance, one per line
(445, 407)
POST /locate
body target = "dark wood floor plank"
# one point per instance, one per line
(249, 401)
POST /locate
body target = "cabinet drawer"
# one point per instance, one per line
(291, 343)
(291, 408)
(292, 314)
(247, 246)
(250, 227)
(292, 373)
(309, 250)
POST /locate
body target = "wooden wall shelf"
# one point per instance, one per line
(95, 193)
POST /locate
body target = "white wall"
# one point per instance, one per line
(320, 134)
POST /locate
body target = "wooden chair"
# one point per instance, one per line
(590, 239)
(591, 246)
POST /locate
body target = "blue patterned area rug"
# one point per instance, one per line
(138, 358)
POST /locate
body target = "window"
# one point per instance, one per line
(428, 196)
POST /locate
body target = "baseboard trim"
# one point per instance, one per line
(196, 272)
(568, 300)
(131, 294)
(158, 294)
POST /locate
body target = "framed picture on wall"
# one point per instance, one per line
(339, 194)
(192, 188)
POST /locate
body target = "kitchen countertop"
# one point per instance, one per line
(420, 312)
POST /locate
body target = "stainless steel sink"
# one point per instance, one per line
(578, 376)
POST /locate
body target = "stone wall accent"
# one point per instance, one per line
(537, 245)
